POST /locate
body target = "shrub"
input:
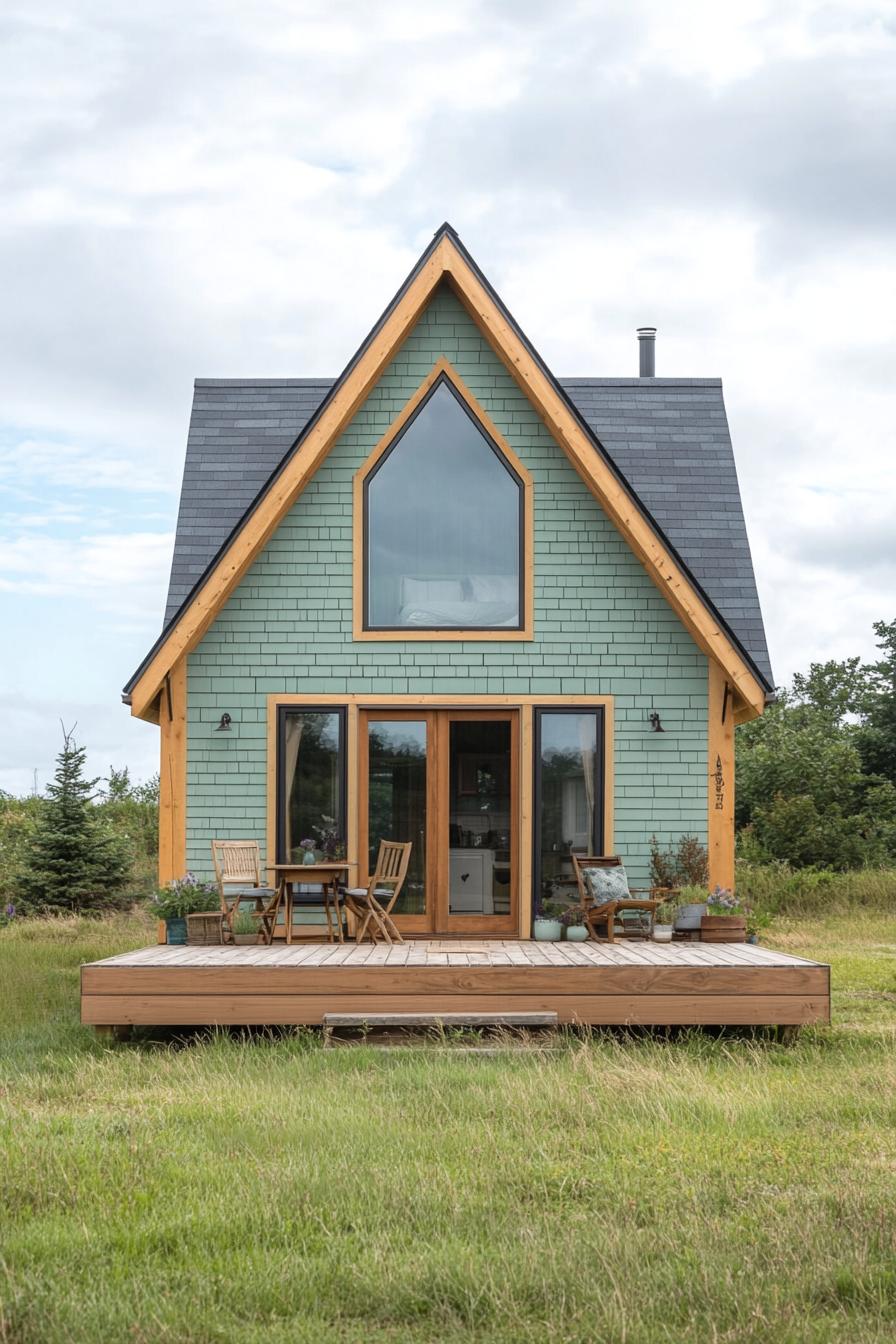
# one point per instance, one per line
(776, 888)
(685, 865)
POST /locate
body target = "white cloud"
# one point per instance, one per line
(84, 467)
(114, 573)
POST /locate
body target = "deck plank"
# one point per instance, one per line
(436, 952)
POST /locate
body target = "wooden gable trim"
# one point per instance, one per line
(446, 261)
(443, 368)
(259, 525)
(616, 501)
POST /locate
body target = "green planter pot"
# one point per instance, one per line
(577, 933)
(547, 930)
(175, 932)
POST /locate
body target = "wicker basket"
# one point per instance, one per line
(205, 929)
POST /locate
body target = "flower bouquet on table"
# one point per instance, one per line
(329, 841)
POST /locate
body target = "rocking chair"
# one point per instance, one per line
(603, 901)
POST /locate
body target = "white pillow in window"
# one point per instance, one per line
(494, 588)
(417, 592)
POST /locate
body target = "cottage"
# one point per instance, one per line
(452, 599)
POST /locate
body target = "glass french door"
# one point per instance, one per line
(448, 781)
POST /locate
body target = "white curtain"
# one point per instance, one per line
(292, 742)
(587, 737)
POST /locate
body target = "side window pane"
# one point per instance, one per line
(312, 768)
(569, 771)
(443, 526)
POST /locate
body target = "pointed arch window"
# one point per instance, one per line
(444, 515)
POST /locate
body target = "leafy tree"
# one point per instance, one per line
(877, 735)
(794, 751)
(834, 689)
(72, 861)
(816, 774)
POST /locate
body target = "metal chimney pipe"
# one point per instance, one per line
(647, 351)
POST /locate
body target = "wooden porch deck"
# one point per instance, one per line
(650, 984)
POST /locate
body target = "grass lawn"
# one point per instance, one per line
(621, 1190)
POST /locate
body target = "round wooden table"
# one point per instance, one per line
(327, 874)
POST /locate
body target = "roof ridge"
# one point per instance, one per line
(572, 381)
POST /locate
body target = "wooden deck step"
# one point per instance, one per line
(440, 1020)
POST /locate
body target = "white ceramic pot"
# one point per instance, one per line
(662, 933)
(576, 933)
(547, 930)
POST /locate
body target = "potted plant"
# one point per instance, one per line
(725, 920)
(575, 930)
(663, 923)
(183, 896)
(308, 846)
(245, 928)
(546, 927)
(691, 909)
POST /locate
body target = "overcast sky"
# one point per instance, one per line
(228, 189)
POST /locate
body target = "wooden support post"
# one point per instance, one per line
(173, 775)
(720, 776)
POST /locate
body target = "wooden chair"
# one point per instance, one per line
(237, 866)
(645, 899)
(366, 903)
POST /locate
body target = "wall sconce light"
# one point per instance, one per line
(224, 725)
(655, 724)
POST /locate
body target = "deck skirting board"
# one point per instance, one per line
(592, 1009)
(647, 984)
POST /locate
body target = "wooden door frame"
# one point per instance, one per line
(486, 924)
(415, 924)
(437, 920)
(356, 701)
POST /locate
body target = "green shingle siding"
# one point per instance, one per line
(601, 627)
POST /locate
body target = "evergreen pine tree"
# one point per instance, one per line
(72, 862)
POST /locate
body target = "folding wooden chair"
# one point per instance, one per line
(643, 899)
(366, 903)
(238, 874)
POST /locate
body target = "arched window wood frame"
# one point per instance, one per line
(443, 371)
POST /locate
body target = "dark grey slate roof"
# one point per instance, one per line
(667, 436)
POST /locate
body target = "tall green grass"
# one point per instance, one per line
(256, 1188)
(779, 889)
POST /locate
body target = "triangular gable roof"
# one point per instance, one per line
(446, 259)
(668, 436)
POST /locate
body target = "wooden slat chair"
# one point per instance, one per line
(643, 899)
(238, 874)
(367, 903)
